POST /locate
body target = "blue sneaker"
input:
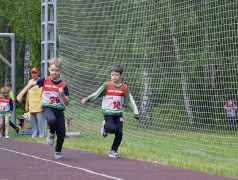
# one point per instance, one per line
(50, 138)
(58, 155)
(113, 154)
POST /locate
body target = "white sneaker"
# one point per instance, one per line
(58, 155)
(0, 135)
(50, 138)
(7, 137)
(103, 132)
(113, 154)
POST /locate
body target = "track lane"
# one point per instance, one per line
(24, 160)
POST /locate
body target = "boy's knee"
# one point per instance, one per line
(51, 122)
(118, 133)
(111, 130)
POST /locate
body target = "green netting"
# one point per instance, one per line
(180, 64)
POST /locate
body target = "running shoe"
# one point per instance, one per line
(113, 154)
(50, 138)
(58, 155)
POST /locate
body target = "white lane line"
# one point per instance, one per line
(62, 164)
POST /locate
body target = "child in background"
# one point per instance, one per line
(6, 108)
(231, 116)
(114, 93)
(55, 97)
(8, 87)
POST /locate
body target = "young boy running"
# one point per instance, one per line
(6, 108)
(114, 95)
(55, 97)
(8, 87)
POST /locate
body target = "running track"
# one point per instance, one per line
(21, 160)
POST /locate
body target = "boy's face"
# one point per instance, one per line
(54, 72)
(4, 94)
(116, 76)
(8, 88)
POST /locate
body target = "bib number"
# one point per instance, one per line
(54, 100)
(2, 108)
(116, 104)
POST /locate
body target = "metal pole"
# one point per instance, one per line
(46, 40)
(42, 36)
(5, 61)
(13, 73)
(55, 27)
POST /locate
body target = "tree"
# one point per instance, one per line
(22, 17)
(187, 99)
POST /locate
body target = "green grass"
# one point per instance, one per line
(206, 151)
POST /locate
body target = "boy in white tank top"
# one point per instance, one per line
(115, 94)
(55, 97)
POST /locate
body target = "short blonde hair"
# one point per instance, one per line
(3, 90)
(55, 61)
(8, 84)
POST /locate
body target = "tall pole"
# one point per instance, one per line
(13, 72)
(46, 39)
(48, 33)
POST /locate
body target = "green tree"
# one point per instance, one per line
(22, 17)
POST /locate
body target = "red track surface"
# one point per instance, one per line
(20, 160)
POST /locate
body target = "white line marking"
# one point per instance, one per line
(70, 166)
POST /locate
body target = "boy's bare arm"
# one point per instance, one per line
(25, 90)
(65, 98)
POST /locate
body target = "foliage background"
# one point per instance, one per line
(22, 17)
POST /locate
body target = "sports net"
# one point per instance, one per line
(180, 65)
